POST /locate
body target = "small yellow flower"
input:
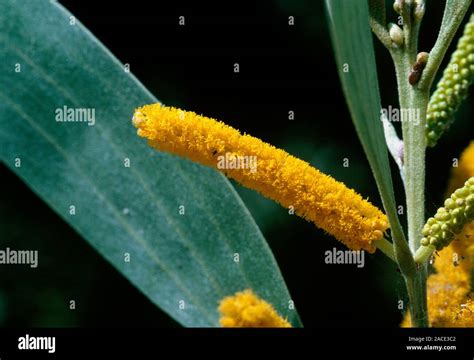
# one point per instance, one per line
(245, 309)
(292, 182)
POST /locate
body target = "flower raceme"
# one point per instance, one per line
(458, 210)
(453, 86)
(245, 309)
(292, 182)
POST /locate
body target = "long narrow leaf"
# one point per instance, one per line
(352, 41)
(173, 228)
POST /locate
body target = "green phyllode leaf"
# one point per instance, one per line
(353, 47)
(180, 225)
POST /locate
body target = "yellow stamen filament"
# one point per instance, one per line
(245, 309)
(292, 182)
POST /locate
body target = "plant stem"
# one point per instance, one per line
(414, 157)
(387, 248)
(424, 253)
(414, 102)
(416, 288)
(414, 166)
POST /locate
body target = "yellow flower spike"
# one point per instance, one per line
(317, 197)
(245, 309)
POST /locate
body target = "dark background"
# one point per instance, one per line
(282, 68)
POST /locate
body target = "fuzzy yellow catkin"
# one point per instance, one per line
(245, 309)
(293, 183)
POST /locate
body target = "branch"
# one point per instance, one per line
(378, 22)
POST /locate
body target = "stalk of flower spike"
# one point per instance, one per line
(452, 88)
(245, 309)
(293, 183)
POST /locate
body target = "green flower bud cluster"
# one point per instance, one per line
(449, 220)
(453, 87)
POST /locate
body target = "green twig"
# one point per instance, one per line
(416, 289)
(387, 248)
(413, 128)
(378, 21)
(413, 105)
(424, 253)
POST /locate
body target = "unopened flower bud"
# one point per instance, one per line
(422, 58)
(396, 34)
(397, 6)
(419, 10)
